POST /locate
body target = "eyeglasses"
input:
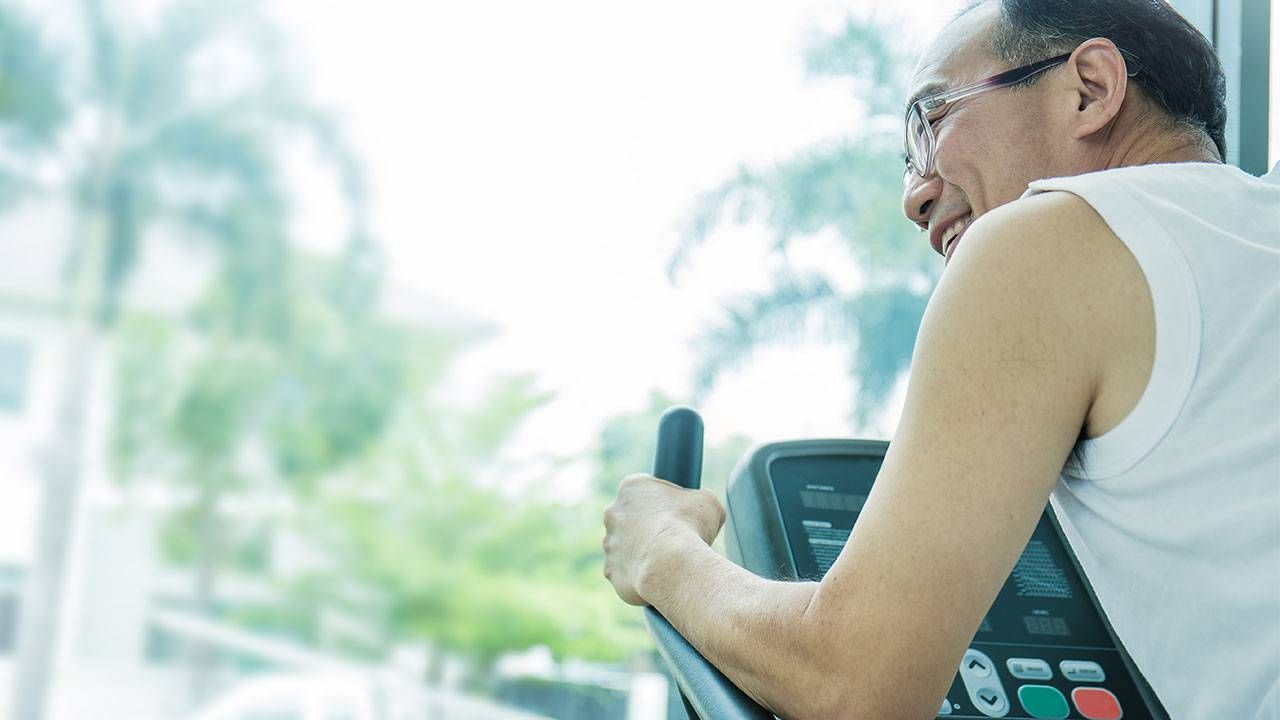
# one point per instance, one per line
(923, 112)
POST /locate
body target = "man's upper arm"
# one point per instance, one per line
(1002, 379)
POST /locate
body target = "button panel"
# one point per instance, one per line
(1039, 692)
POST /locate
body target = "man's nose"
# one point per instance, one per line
(918, 196)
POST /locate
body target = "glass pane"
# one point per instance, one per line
(354, 315)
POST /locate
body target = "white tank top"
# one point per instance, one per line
(1175, 513)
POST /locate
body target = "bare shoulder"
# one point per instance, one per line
(1056, 245)
(1053, 225)
(1057, 257)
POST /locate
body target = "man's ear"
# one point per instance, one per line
(1099, 81)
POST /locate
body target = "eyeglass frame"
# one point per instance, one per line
(929, 103)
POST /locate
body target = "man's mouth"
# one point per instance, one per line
(951, 235)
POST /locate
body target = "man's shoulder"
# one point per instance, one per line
(1047, 217)
(1064, 262)
(1054, 237)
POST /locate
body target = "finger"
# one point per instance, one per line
(634, 478)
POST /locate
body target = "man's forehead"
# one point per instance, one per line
(961, 53)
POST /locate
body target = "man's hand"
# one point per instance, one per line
(646, 509)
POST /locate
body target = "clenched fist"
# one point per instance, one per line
(645, 511)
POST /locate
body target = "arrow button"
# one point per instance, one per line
(991, 702)
(975, 664)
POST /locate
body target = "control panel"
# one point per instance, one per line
(1044, 649)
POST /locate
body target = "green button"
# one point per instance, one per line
(1043, 701)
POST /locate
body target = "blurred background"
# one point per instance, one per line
(328, 329)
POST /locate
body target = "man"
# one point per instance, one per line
(1127, 309)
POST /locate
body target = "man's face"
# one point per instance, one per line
(987, 147)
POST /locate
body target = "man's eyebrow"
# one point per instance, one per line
(932, 88)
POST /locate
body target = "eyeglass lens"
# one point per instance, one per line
(917, 141)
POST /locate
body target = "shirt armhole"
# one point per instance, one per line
(1176, 302)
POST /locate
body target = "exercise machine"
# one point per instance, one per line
(1044, 649)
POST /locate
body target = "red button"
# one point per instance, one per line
(1096, 703)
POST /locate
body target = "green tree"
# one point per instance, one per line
(254, 400)
(849, 187)
(420, 535)
(478, 568)
(138, 139)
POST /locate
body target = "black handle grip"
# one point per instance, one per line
(678, 456)
(706, 692)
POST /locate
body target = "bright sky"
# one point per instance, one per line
(531, 161)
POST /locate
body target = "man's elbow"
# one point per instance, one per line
(831, 682)
(848, 680)
(835, 696)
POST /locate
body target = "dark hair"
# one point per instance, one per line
(1076, 459)
(1176, 65)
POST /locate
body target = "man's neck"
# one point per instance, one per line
(1147, 141)
(1171, 151)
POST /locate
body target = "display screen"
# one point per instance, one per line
(1043, 625)
(824, 497)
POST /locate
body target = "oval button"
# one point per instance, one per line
(1096, 703)
(1044, 701)
(1029, 668)
(1082, 671)
(991, 702)
(976, 664)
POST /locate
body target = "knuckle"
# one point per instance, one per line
(712, 501)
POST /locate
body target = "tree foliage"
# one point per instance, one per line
(286, 386)
(477, 569)
(848, 188)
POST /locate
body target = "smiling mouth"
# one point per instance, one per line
(951, 236)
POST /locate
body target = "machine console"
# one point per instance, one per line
(1044, 649)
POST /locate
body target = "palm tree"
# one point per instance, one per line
(849, 187)
(142, 134)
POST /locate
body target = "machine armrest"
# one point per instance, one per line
(707, 693)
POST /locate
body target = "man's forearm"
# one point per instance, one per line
(756, 631)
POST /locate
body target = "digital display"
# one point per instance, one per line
(819, 500)
(1046, 625)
